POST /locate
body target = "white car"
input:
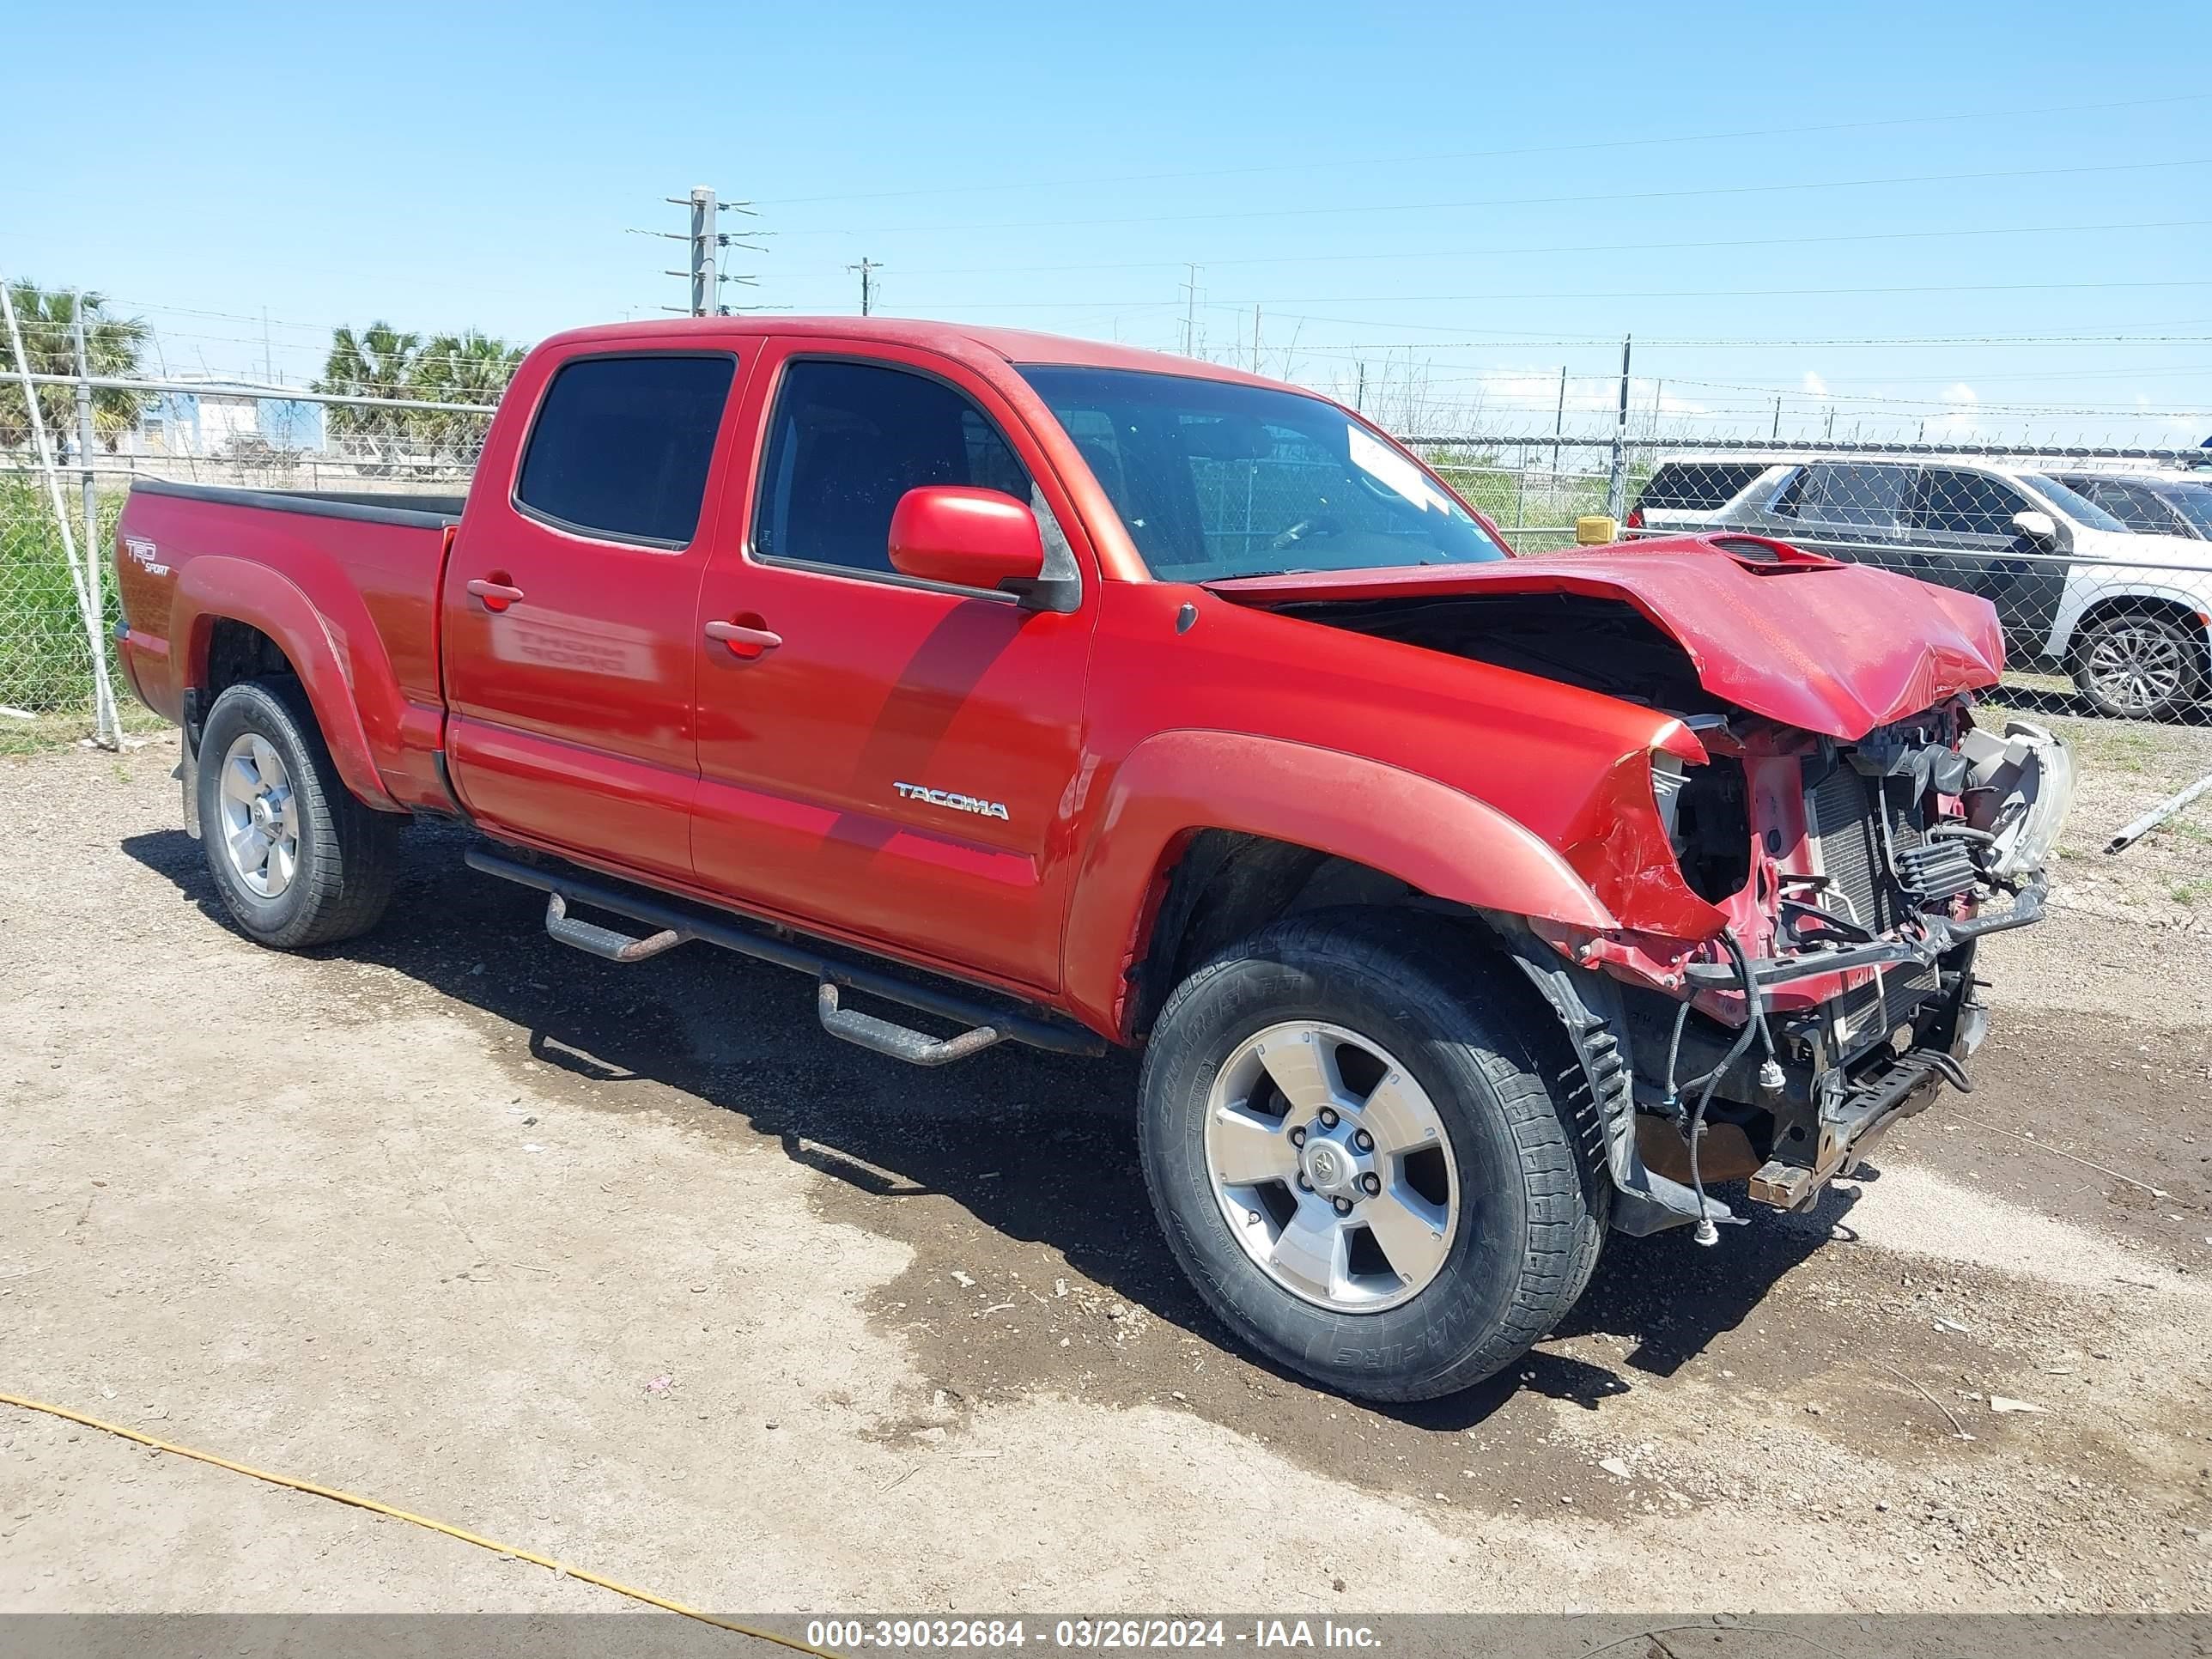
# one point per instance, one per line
(2129, 616)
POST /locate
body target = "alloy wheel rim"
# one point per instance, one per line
(1332, 1167)
(2137, 667)
(260, 817)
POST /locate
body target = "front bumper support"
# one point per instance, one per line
(1938, 938)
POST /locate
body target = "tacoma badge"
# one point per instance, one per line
(951, 802)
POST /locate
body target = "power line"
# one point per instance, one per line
(1613, 246)
(1705, 190)
(1567, 295)
(1307, 165)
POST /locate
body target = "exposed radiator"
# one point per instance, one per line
(1840, 811)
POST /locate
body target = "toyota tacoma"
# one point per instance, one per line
(1466, 907)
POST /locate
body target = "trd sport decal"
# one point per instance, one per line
(951, 802)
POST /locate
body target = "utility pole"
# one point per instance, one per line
(1560, 420)
(1616, 495)
(705, 240)
(706, 286)
(1776, 435)
(865, 268)
(1255, 337)
(1190, 312)
(1359, 396)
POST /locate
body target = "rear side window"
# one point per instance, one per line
(848, 440)
(1965, 504)
(1697, 486)
(1847, 493)
(621, 446)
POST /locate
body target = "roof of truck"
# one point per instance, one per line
(1014, 345)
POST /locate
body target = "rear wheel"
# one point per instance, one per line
(2138, 666)
(1358, 1160)
(297, 858)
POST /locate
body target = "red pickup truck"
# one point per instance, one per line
(1465, 905)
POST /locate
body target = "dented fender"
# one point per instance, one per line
(1437, 839)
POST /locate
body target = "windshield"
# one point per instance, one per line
(2080, 509)
(2193, 501)
(1212, 479)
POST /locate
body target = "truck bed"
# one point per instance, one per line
(356, 604)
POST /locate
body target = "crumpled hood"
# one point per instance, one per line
(1833, 647)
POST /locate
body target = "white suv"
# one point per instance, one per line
(2129, 616)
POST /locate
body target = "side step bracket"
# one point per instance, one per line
(604, 942)
(899, 1041)
(680, 923)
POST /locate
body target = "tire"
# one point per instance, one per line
(1505, 1258)
(2138, 666)
(317, 865)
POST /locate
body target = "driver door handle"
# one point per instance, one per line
(742, 640)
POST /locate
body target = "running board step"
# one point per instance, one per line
(604, 942)
(681, 922)
(899, 1041)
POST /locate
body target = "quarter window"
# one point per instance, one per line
(849, 440)
(621, 446)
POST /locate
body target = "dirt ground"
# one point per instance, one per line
(637, 1268)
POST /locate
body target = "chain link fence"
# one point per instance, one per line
(2099, 561)
(59, 504)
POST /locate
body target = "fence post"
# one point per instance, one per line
(87, 597)
(1616, 494)
(107, 727)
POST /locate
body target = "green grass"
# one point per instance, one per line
(46, 664)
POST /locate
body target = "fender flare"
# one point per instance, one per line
(1437, 839)
(216, 587)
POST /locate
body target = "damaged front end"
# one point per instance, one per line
(1800, 857)
(1837, 995)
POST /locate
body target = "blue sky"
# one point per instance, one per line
(1464, 201)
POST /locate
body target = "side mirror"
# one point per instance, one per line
(967, 538)
(2038, 527)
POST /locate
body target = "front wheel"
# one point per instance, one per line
(297, 858)
(1357, 1159)
(2138, 666)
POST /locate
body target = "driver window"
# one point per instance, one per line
(848, 440)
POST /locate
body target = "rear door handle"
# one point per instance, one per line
(743, 642)
(496, 596)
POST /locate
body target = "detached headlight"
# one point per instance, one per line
(2019, 788)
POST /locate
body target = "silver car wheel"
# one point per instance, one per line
(260, 826)
(2137, 666)
(1332, 1167)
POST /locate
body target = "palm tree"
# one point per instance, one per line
(468, 367)
(48, 319)
(376, 363)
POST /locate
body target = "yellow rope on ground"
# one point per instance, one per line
(371, 1503)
